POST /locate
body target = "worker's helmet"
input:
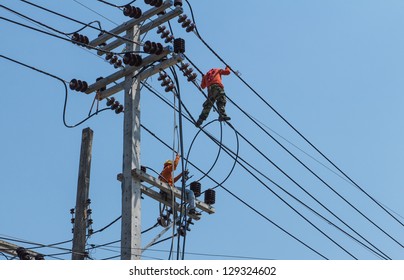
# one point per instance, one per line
(168, 162)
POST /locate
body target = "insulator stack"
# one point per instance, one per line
(165, 34)
(99, 79)
(188, 72)
(179, 45)
(115, 105)
(155, 3)
(196, 188)
(72, 220)
(153, 48)
(131, 11)
(169, 88)
(102, 44)
(100, 52)
(164, 220)
(210, 196)
(113, 60)
(162, 76)
(166, 82)
(78, 85)
(186, 23)
(39, 257)
(89, 223)
(80, 39)
(132, 59)
(182, 231)
(23, 254)
(178, 3)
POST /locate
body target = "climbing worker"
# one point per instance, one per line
(166, 176)
(213, 81)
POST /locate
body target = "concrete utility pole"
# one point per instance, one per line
(83, 188)
(131, 188)
(131, 206)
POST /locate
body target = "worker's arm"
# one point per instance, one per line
(177, 177)
(203, 83)
(177, 159)
(226, 71)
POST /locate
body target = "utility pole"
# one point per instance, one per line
(131, 201)
(131, 186)
(83, 188)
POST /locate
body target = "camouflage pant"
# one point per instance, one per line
(215, 94)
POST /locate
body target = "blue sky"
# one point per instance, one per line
(333, 69)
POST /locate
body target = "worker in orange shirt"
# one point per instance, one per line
(213, 81)
(166, 176)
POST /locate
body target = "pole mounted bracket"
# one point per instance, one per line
(164, 187)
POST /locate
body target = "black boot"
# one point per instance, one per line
(224, 117)
(198, 123)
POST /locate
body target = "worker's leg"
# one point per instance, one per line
(207, 106)
(190, 198)
(221, 104)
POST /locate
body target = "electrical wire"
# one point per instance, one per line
(302, 164)
(183, 210)
(82, 23)
(258, 150)
(292, 127)
(81, 4)
(107, 226)
(39, 245)
(313, 210)
(44, 32)
(116, 6)
(274, 183)
(312, 172)
(275, 193)
(47, 26)
(192, 253)
(218, 152)
(326, 184)
(66, 92)
(245, 203)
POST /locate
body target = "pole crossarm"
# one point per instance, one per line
(165, 198)
(129, 70)
(130, 24)
(11, 249)
(167, 189)
(143, 29)
(176, 58)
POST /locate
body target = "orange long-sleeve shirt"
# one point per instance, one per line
(214, 76)
(166, 175)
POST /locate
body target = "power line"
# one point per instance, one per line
(66, 92)
(304, 165)
(216, 141)
(81, 4)
(47, 26)
(45, 32)
(116, 6)
(77, 21)
(310, 170)
(245, 203)
(292, 127)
